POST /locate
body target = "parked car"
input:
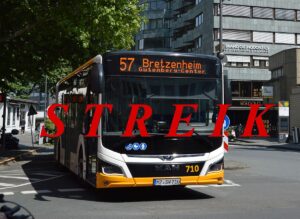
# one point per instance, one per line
(11, 142)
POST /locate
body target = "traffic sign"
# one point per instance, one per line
(32, 111)
(226, 123)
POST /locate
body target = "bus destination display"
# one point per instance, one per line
(149, 65)
(170, 65)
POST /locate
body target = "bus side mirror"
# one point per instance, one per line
(96, 78)
(227, 91)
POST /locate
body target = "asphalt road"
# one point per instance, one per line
(260, 183)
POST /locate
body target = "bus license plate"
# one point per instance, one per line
(166, 182)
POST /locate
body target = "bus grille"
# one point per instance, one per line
(165, 170)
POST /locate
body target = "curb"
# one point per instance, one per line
(18, 156)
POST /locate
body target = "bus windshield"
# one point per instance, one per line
(161, 93)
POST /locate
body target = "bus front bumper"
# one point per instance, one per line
(114, 181)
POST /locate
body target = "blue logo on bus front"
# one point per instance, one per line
(136, 146)
(128, 147)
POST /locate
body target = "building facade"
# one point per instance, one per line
(252, 32)
(17, 115)
(285, 71)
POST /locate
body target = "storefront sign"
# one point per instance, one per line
(252, 49)
(245, 103)
(283, 108)
(267, 91)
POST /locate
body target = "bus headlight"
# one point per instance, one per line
(110, 169)
(219, 165)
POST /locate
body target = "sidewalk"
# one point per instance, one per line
(265, 142)
(25, 149)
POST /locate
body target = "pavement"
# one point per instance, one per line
(25, 148)
(261, 182)
(264, 142)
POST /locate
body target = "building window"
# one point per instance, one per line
(298, 39)
(285, 14)
(236, 35)
(256, 89)
(263, 37)
(154, 43)
(199, 42)
(157, 5)
(166, 23)
(235, 89)
(153, 24)
(259, 12)
(8, 115)
(199, 20)
(18, 113)
(236, 11)
(298, 15)
(198, 2)
(245, 89)
(167, 43)
(141, 44)
(260, 61)
(285, 38)
(145, 6)
(238, 61)
(14, 116)
(277, 73)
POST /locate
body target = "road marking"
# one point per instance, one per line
(7, 193)
(72, 190)
(24, 184)
(42, 174)
(6, 184)
(223, 185)
(197, 186)
(14, 177)
(228, 183)
(29, 192)
(4, 171)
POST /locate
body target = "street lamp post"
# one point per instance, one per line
(221, 52)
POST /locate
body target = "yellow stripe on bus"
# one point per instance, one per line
(115, 181)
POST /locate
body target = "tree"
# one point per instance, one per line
(51, 37)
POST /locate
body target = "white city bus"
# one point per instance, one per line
(158, 79)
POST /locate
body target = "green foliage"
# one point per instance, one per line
(52, 37)
(49, 126)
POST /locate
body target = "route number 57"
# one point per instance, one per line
(126, 63)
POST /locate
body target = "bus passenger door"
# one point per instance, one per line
(91, 144)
